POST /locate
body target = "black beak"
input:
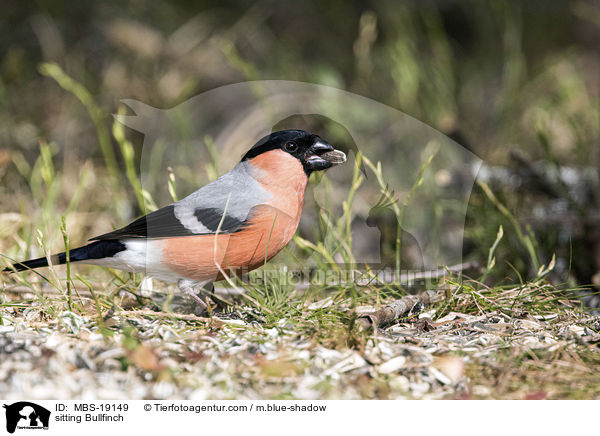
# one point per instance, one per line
(321, 156)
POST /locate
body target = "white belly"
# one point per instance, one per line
(141, 255)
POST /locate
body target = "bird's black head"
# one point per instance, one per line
(312, 151)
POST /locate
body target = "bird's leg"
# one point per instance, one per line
(194, 289)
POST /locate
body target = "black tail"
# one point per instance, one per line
(95, 250)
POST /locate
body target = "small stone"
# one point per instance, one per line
(392, 365)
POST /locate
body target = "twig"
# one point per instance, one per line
(172, 315)
(391, 312)
(215, 321)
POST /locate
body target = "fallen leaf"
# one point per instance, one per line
(145, 358)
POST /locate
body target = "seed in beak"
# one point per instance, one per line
(334, 156)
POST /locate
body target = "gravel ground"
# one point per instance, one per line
(152, 355)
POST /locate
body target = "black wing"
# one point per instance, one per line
(211, 218)
(163, 224)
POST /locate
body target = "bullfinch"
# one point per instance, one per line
(236, 223)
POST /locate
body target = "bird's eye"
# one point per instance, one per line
(291, 146)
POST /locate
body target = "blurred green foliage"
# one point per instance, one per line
(495, 70)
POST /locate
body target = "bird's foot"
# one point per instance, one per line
(195, 291)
